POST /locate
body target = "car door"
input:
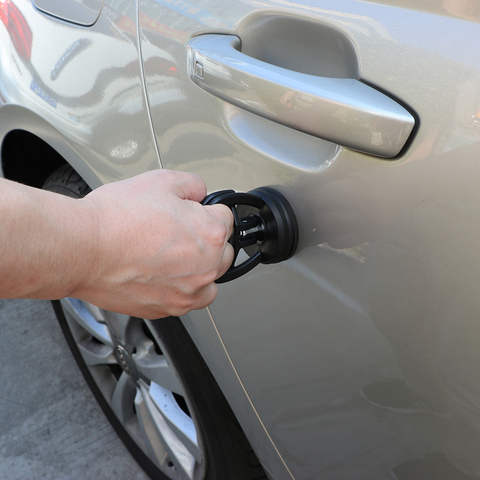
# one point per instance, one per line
(358, 357)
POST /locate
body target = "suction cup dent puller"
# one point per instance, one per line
(268, 232)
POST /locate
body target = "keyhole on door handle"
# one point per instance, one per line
(265, 227)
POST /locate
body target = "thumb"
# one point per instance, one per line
(188, 186)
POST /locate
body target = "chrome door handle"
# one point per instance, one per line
(342, 110)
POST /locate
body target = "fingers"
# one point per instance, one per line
(201, 299)
(222, 214)
(227, 260)
(188, 186)
(206, 296)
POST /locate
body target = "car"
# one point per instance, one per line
(354, 354)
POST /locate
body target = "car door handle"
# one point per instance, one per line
(341, 110)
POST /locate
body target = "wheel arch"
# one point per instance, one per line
(31, 149)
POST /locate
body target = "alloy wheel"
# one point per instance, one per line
(131, 369)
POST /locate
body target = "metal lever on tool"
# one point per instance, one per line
(268, 231)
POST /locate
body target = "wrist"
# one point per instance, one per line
(82, 247)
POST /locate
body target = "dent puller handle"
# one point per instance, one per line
(265, 226)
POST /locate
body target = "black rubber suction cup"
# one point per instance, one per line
(265, 227)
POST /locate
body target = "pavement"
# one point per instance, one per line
(50, 425)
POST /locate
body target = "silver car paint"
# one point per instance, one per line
(341, 110)
(384, 284)
(372, 294)
(80, 89)
(76, 11)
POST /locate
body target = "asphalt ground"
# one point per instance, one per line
(50, 425)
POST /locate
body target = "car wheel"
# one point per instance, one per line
(154, 386)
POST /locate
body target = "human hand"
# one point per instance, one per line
(158, 250)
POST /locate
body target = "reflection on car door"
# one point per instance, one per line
(359, 355)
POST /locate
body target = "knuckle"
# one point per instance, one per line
(217, 235)
(199, 298)
(181, 306)
(168, 175)
(179, 312)
(209, 277)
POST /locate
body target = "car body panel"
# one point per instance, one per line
(380, 299)
(369, 298)
(94, 105)
(75, 11)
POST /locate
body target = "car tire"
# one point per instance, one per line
(154, 386)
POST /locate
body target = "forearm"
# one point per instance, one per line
(45, 238)
(143, 246)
